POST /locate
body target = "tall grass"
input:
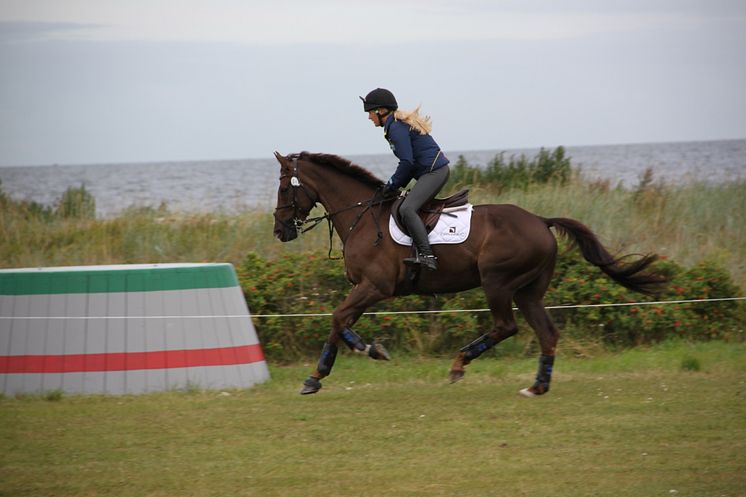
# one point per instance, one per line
(136, 236)
(687, 223)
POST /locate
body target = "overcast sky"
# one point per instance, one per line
(95, 81)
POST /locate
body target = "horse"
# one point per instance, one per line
(510, 253)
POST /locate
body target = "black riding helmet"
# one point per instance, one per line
(380, 97)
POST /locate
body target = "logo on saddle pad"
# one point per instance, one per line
(452, 227)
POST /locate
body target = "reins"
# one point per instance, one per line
(366, 205)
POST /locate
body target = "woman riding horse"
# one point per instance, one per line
(420, 158)
(509, 252)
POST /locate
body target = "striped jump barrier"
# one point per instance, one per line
(126, 329)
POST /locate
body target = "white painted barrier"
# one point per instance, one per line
(126, 329)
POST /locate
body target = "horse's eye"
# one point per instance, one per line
(284, 189)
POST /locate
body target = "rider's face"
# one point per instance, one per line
(376, 118)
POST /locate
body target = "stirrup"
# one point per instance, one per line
(429, 262)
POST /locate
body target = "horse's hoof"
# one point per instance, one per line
(311, 385)
(378, 352)
(535, 391)
(455, 376)
(526, 392)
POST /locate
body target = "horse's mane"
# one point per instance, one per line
(344, 166)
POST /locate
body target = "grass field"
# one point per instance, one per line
(661, 421)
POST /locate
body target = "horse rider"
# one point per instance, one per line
(408, 134)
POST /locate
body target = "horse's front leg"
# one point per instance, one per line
(345, 315)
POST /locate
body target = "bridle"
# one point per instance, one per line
(298, 224)
(295, 222)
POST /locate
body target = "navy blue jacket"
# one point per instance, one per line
(418, 154)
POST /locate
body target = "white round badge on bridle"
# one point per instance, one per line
(294, 181)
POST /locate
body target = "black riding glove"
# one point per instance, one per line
(389, 191)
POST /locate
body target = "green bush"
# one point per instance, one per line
(76, 203)
(577, 282)
(312, 284)
(514, 172)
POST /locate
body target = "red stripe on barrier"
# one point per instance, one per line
(127, 361)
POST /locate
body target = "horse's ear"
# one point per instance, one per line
(282, 160)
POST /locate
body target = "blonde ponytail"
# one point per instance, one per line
(422, 124)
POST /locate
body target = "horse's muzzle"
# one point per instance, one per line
(285, 233)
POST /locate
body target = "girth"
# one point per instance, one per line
(431, 211)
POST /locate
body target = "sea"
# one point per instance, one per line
(234, 185)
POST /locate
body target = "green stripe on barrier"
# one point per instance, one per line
(141, 279)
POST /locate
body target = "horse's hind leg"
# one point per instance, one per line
(500, 304)
(529, 300)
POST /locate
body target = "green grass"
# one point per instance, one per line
(688, 223)
(627, 424)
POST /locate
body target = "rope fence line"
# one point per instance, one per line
(568, 306)
(377, 313)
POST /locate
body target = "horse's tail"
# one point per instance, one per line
(630, 274)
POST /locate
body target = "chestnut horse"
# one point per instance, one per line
(510, 253)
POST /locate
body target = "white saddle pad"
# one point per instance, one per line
(453, 227)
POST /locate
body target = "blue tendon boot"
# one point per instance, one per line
(324, 367)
